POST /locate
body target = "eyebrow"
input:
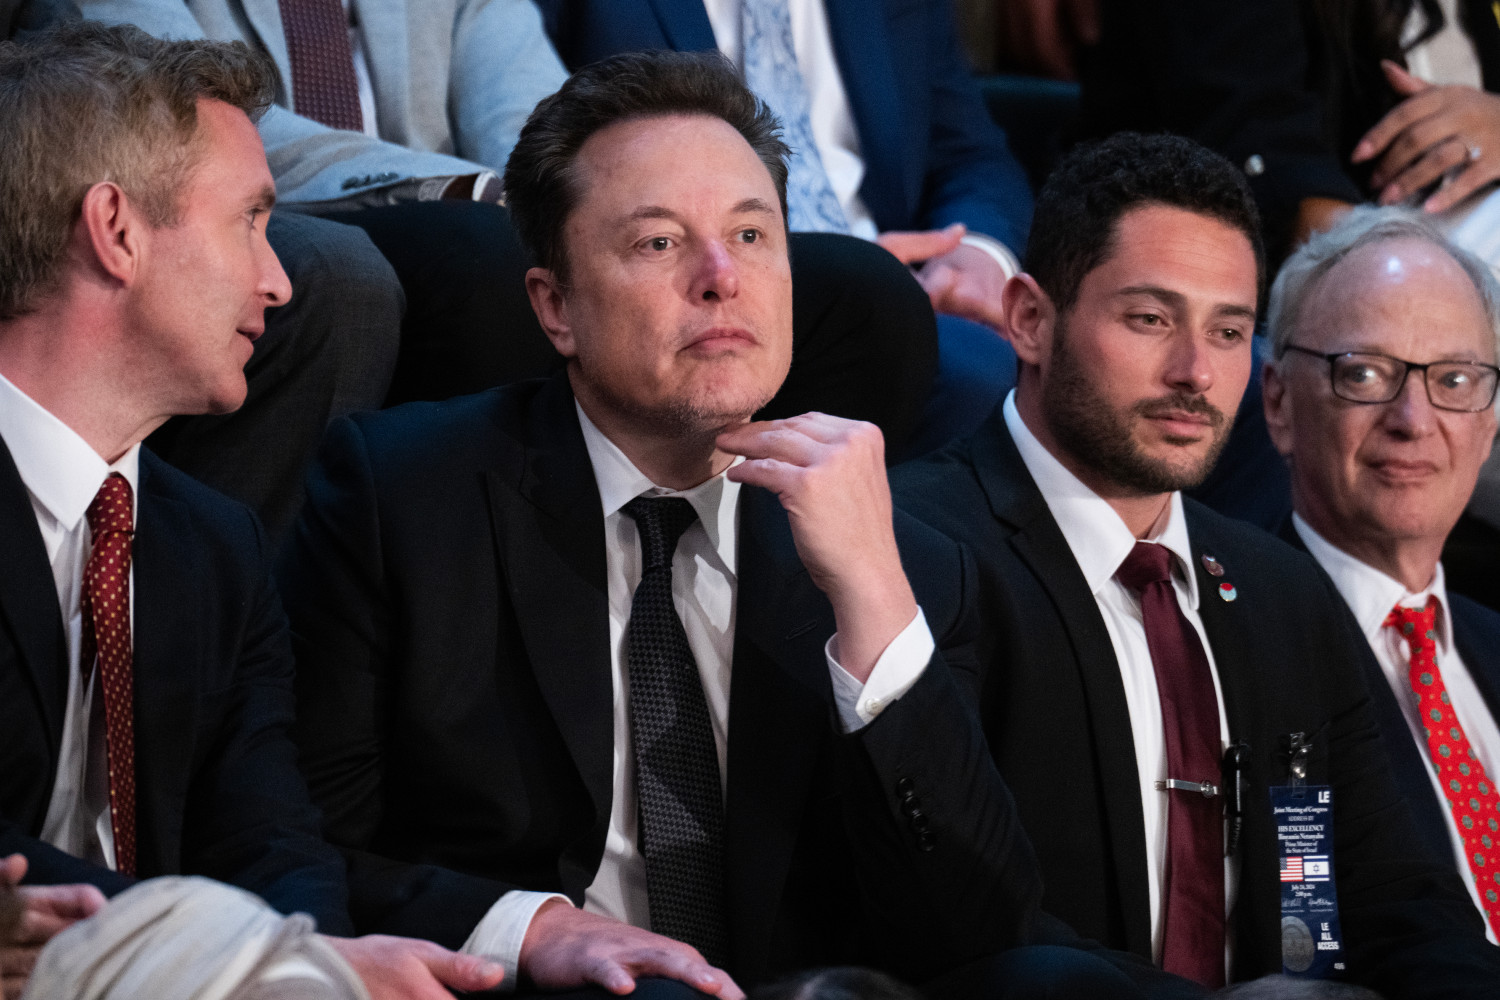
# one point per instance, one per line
(756, 205)
(264, 199)
(1177, 300)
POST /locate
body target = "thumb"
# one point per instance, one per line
(913, 247)
(12, 869)
(1401, 81)
(465, 973)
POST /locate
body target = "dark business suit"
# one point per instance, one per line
(1288, 659)
(1476, 636)
(217, 788)
(447, 591)
(932, 154)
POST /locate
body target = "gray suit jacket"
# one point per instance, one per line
(454, 80)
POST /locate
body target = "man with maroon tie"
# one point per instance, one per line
(1164, 689)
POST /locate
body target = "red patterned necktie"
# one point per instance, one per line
(106, 630)
(317, 44)
(1470, 793)
(1193, 903)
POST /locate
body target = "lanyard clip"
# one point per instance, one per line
(1236, 756)
(1298, 752)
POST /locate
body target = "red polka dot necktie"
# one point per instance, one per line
(1193, 900)
(1470, 793)
(106, 631)
(324, 87)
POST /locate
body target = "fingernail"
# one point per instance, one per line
(1361, 151)
(491, 969)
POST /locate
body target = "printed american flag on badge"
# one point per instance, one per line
(1291, 869)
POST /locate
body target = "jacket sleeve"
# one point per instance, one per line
(948, 854)
(342, 612)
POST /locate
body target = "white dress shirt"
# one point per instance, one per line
(1371, 595)
(704, 569)
(1100, 541)
(62, 474)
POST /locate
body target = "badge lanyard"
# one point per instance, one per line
(1311, 941)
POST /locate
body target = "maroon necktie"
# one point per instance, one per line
(317, 43)
(1470, 793)
(106, 630)
(1193, 904)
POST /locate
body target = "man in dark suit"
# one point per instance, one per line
(1384, 453)
(482, 599)
(145, 670)
(1134, 639)
(891, 122)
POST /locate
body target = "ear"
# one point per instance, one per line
(1278, 405)
(550, 304)
(1029, 318)
(112, 231)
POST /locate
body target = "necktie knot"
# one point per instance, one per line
(111, 508)
(1147, 563)
(1414, 624)
(661, 522)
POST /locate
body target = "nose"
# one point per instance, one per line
(275, 287)
(718, 275)
(1411, 413)
(1188, 366)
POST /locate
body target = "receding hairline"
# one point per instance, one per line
(1313, 294)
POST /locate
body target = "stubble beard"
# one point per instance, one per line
(1101, 438)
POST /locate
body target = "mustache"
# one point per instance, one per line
(1181, 402)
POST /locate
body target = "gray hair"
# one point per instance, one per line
(1305, 269)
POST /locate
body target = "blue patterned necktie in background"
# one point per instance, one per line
(676, 764)
(771, 71)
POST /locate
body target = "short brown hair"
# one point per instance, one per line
(541, 187)
(85, 103)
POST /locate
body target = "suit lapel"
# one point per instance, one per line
(779, 711)
(1039, 543)
(862, 49)
(684, 24)
(384, 30)
(28, 602)
(549, 536)
(1408, 761)
(164, 562)
(265, 18)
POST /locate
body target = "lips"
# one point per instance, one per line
(721, 338)
(1395, 470)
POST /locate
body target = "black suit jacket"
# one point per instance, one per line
(1288, 659)
(217, 788)
(1476, 636)
(447, 592)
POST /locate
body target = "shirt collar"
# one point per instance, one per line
(716, 499)
(59, 468)
(1370, 593)
(1095, 533)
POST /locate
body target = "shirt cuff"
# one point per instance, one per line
(499, 935)
(899, 667)
(999, 252)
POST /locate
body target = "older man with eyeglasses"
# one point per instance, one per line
(1381, 397)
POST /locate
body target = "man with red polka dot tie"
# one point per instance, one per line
(1382, 400)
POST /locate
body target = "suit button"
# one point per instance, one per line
(905, 787)
(924, 841)
(919, 820)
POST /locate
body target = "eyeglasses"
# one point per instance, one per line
(1462, 386)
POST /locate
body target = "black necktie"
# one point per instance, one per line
(676, 765)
